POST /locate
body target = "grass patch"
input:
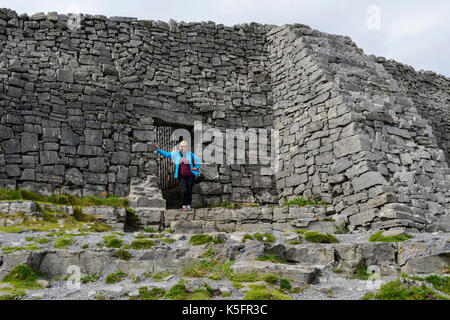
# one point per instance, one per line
(64, 199)
(208, 253)
(247, 237)
(359, 273)
(394, 290)
(314, 236)
(154, 294)
(200, 239)
(261, 292)
(168, 240)
(379, 237)
(123, 254)
(266, 237)
(115, 277)
(63, 243)
(23, 277)
(159, 275)
(11, 294)
(31, 247)
(271, 278)
(178, 292)
(11, 229)
(90, 277)
(142, 244)
(112, 242)
(300, 202)
(439, 283)
(295, 242)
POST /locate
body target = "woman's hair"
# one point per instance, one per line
(184, 142)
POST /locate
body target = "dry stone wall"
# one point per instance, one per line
(79, 108)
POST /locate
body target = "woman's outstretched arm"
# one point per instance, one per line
(164, 153)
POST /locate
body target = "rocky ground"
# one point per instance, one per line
(231, 267)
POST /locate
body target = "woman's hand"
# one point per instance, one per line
(194, 168)
(156, 146)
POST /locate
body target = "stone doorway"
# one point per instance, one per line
(166, 167)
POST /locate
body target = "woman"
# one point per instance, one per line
(184, 161)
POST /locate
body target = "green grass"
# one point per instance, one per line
(261, 292)
(379, 237)
(200, 239)
(208, 253)
(64, 199)
(285, 284)
(394, 290)
(123, 254)
(154, 294)
(11, 293)
(115, 277)
(314, 236)
(8, 250)
(63, 243)
(247, 237)
(179, 292)
(271, 258)
(142, 244)
(112, 242)
(11, 229)
(439, 283)
(302, 202)
(23, 277)
(359, 273)
(90, 277)
(159, 275)
(295, 242)
(168, 240)
(266, 237)
(271, 278)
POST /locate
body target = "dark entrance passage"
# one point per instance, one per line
(166, 167)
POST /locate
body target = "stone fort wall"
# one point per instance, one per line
(366, 135)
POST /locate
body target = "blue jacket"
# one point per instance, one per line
(176, 156)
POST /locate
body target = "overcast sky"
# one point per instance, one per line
(413, 32)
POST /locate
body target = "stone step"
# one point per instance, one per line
(299, 273)
(146, 202)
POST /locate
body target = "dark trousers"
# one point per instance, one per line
(187, 184)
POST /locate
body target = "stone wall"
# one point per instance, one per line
(78, 110)
(351, 135)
